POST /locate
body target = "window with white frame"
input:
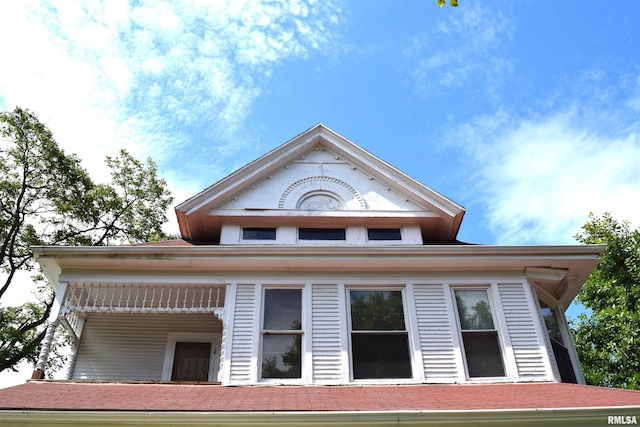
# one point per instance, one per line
(282, 334)
(191, 357)
(480, 340)
(560, 349)
(379, 336)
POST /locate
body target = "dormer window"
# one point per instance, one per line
(322, 234)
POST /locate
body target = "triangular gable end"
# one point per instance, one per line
(311, 179)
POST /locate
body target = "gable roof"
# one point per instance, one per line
(197, 224)
(479, 402)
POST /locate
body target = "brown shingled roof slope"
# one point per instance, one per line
(74, 396)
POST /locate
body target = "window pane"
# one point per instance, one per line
(384, 234)
(191, 361)
(281, 356)
(380, 356)
(259, 233)
(567, 375)
(474, 310)
(551, 322)
(321, 234)
(377, 311)
(482, 351)
(282, 309)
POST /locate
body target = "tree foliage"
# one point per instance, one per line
(607, 339)
(48, 198)
(453, 3)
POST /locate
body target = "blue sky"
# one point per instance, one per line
(525, 112)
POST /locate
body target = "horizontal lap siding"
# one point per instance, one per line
(526, 345)
(132, 346)
(326, 333)
(436, 336)
(243, 334)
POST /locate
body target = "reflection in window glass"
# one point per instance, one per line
(281, 356)
(282, 333)
(560, 351)
(282, 309)
(474, 310)
(379, 338)
(482, 351)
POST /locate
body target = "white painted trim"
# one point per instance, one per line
(345, 342)
(230, 308)
(417, 365)
(306, 370)
(256, 348)
(452, 311)
(169, 354)
(508, 355)
(541, 332)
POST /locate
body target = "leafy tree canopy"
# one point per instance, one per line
(48, 198)
(453, 3)
(607, 339)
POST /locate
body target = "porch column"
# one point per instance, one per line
(47, 341)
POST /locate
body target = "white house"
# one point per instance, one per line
(316, 265)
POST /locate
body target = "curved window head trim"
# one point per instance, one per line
(296, 193)
(320, 201)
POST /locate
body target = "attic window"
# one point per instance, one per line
(258, 233)
(322, 234)
(384, 234)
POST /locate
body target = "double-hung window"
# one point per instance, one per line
(479, 335)
(379, 336)
(282, 333)
(560, 350)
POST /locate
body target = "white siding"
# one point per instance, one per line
(132, 346)
(436, 337)
(326, 333)
(242, 336)
(527, 348)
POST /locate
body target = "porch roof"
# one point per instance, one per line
(159, 397)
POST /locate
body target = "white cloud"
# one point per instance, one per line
(540, 178)
(463, 51)
(159, 78)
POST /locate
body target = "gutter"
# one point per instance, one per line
(493, 417)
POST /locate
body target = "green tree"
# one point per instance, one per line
(48, 198)
(453, 3)
(607, 339)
